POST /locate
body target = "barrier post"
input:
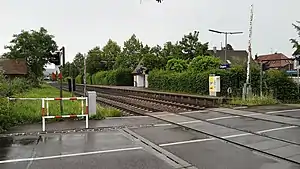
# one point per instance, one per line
(87, 121)
(43, 113)
(92, 104)
(47, 107)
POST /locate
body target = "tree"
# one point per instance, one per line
(131, 55)
(228, 47)
(151, 61)
(93, 61)
(203, 63)
(171, 51)
(177, 65)
(295, 43)
(33, 46)
(110, 52)
(191, 47)
(78, 62)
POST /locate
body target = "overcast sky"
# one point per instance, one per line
(80, 25)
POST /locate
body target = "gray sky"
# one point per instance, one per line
(80, 25)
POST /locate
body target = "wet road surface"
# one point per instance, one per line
(156, 144)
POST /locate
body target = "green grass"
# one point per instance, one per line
(29, 111)
(103, 112)
(254, 101)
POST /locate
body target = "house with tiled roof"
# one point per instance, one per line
(13, 67)
(276, 61)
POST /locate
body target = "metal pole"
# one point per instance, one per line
(298, 80)
(226, 46)
(61, 95)
(71, 74)
(84, 76)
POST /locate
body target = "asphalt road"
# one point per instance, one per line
(156, 144)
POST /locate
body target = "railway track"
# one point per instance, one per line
(148, 106)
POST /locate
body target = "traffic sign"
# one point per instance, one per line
(225, 66)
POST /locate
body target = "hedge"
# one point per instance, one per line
(118, 77)
(275, 81)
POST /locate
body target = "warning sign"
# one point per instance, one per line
(214, 85)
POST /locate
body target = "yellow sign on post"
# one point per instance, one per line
(214, 85)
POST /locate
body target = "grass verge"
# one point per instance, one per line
(103, 112)
(254, 101)
(18, 112)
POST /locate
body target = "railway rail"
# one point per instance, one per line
(148, 106)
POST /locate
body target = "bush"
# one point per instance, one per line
(79, 79)
(5, 118)
(177, 65)
(17, 85)
(274, 81)
(204, 63)
(119, 77)
(282, 87)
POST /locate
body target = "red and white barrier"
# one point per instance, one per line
(83, 114)
(46, 114)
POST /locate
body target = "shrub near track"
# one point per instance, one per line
(275, 82)
(118, 77)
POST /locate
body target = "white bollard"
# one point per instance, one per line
(92, 104)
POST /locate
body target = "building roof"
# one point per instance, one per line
(234, 56)
(13, 66)
(274, 64)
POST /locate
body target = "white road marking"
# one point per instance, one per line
(189, 122)
(191, 112)
(276, 129)
(238, 135)
(220, 118)
(186, 142)
(185, 122)
(162, 125)
(166, 114)
(69, 155)
(253, 114)
(225, 137)
(126, 117)
(282, 111)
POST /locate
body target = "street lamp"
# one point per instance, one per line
(226, 33)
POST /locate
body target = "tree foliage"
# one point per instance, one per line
(33, 46)
(93, 61)
(111, 51)
(192, 47)
(204, 63)
(131, 55)
(177, 65)
(78, 62)
(295, 42)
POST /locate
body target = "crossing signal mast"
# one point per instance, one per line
(247, 85)
(56, 58)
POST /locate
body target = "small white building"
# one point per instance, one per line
(140, 77)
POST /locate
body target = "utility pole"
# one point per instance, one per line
(84, 75)
(226, 37)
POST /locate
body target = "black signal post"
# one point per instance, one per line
(56, 59)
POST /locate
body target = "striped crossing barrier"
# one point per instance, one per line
(46, 114)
